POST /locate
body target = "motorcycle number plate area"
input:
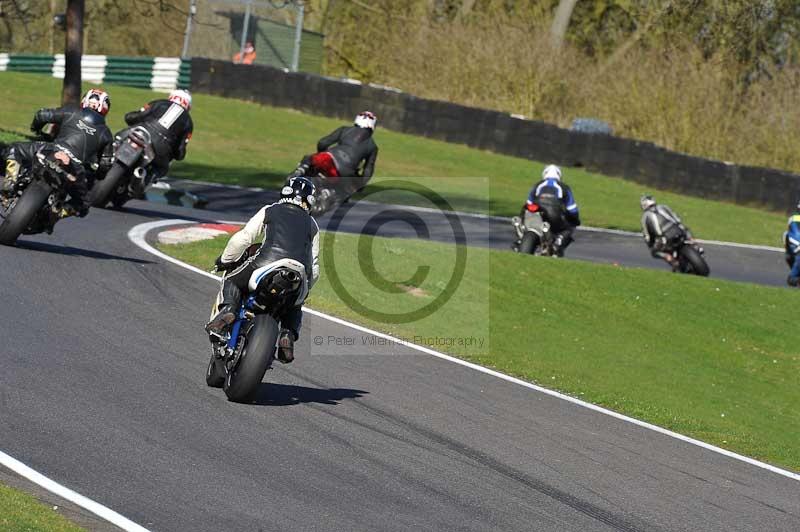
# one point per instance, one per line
(128, 153)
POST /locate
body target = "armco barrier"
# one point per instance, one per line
(642, 162)
(158, 73)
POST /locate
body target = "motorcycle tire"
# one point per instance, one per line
(25, 210)
(215, 373)
(243, 381)
(530, 241)
(103, 190)
(697, 264)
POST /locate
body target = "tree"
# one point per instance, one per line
(73, 51)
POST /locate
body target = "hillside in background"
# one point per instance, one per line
(715, 78)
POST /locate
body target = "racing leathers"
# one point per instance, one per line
(284, 230)
(170, 127)
(550, 200)
(792, 244)
(81, 133)
(346, 158)
(660, 226)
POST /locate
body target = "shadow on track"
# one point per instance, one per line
(78, 252)
(273, 394)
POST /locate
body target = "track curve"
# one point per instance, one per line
(753, 264)
(103, 391)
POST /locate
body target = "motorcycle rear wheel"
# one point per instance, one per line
(103, 190)
(530, 241)
(242, 381)
(32, 200)
(697, 264)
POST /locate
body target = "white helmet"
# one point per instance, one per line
(646, 201)
(182, 98)
(96, 100)
(552, 172)
(366, 119)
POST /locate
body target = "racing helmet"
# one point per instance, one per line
(96, 100)
(551, 172)
(366, 119)
(647, 201)
(298, 191)
(182, 98)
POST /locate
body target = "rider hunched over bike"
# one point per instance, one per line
(552, 199)
(285, 230)
(660, 225)
(791, 239)
(170, 127)
(81, 134)
(346, 157)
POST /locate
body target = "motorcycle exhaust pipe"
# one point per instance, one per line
(139, 172)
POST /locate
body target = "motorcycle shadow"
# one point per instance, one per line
(78, 252)
(274, 394)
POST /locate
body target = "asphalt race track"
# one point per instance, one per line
(102, 390)
(747, 264)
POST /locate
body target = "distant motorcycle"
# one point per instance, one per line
(242, 356)
(687, 255)
(130, 172)
(34, 204)
(536, 238)
(330, 192)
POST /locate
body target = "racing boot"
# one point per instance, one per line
(220, 323)
(286, 342)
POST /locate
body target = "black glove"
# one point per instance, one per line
(219, 265)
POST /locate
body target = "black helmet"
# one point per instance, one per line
(299, 191)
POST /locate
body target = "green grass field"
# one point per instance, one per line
(719, 364)
(247, 144)
(20, 512)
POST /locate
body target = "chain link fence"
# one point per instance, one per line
(221, 29)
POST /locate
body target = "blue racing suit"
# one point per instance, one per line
(792, 243)
(553, 200)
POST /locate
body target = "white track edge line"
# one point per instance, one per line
(479, 216)
(137, 236)
(65, 493)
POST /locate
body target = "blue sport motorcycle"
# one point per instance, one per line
(241, 356)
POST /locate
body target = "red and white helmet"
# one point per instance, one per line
(366, 119)
(182, 98)
(96, 100)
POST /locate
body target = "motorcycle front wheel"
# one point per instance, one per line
(697, 264)
(103, 190)
(243, 380)
(32, 200)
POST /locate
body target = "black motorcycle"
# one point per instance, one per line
(34, 204)
(130, 172)
(242, 356)
(687, 255)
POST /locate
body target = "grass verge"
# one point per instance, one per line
(711, 359)
(20, 512)
(243, 143)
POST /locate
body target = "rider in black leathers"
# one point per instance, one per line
(170, 127)
(341, 154)
(284, 230)
(80, 133)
